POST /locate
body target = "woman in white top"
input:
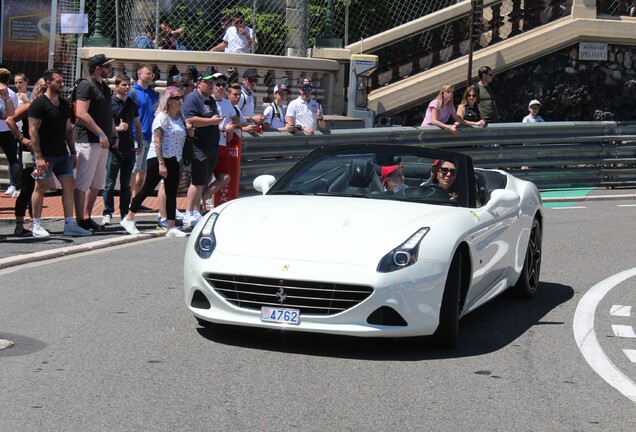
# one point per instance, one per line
(166, 150)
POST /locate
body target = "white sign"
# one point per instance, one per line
(593, 51)
(74, 23)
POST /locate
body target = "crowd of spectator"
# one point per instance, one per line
(477, 108)
(133, 133)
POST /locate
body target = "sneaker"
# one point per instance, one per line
(9, 190)
(39, 232)
(191, 220)
(129, 226)
(106, 219)
(209, 203)
(178, 215)
(175, 232)
(90, 224)
(73, 230)
(21, 232)
(162, 225)
(15, 194)
(144, 209)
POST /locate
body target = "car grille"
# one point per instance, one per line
(311, 298)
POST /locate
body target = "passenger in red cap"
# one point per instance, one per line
(393, 178)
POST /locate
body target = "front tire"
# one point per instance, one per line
(528, 281)
(448, 328)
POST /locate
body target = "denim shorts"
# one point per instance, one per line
(61, 166)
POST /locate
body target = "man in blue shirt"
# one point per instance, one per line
(146, 99)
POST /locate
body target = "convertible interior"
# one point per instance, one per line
(361, 176)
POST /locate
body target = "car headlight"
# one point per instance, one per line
(206, 242)
(403, 255)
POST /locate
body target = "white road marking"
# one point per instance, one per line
(625, 205)
(587, 341)
(568, 208)
(631, 355)
(623, 331)
(620, 310)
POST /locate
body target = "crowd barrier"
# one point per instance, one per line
(551, 154)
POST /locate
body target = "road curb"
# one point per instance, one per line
(72, 250)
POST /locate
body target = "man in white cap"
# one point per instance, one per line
(533, 109)
(94, 133)
(275, 112)
(304, 111)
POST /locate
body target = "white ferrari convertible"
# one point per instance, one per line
(367, 240)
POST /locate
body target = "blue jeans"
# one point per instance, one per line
(122, 164)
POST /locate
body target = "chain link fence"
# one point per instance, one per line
(65, 52)
(282, 26)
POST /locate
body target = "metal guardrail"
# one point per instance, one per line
(552, 155)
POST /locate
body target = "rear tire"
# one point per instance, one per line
(448, 328)
(528, 281)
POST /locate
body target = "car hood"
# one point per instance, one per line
(326, 229)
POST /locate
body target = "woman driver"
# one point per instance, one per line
(443, 174)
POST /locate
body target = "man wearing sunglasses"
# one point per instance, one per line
(304, 113)
(486, 95)
(202, 110)
(95, 132)
(238, 37)
(247, 103)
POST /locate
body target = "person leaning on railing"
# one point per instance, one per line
(441, 109)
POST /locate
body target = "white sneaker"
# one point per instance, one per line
(179, 215)
(15, 194)
(39, 232)
(106, 219)
(209, 203)
(74, 230)
(129, 226)
(10, 190)
(191, 220)
(175, 232)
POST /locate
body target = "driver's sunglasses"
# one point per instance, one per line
(446, 171)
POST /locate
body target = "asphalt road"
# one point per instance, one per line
(104, 342)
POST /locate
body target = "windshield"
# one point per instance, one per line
(384, 173)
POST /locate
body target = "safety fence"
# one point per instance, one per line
(552, 155)
(279, 24)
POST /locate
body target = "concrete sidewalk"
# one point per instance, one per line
(16, 250)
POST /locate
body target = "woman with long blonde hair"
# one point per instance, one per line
(169, 132)
(441, 109)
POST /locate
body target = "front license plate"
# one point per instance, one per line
(280, 315)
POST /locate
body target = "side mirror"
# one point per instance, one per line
(504, 198)
(263, 183)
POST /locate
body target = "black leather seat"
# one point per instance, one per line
(359, 178)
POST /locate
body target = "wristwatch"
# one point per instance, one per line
(223, 129)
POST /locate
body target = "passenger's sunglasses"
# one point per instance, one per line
(306, 88)
(220, 84)
(446, 171)
(176, 98)
(253, 80)
(470, 95)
